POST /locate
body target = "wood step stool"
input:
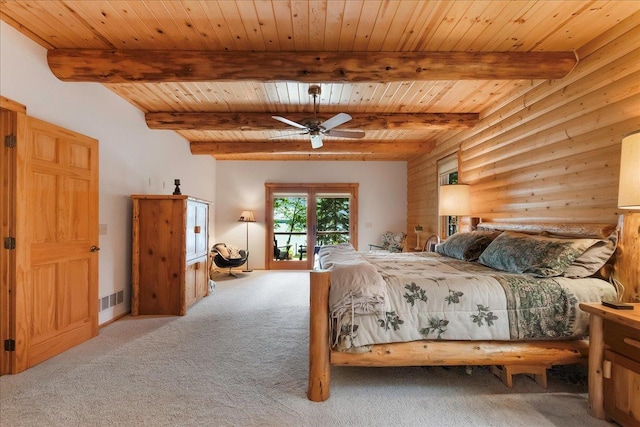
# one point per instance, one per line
(505, 373)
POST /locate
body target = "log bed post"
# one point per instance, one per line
(319, 346)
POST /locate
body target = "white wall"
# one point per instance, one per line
(382, 195)
(131, 155)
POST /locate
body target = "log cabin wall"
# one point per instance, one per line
(550, 152)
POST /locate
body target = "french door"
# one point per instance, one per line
(301, 217)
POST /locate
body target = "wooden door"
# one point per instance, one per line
(9, 111)
(56, 241)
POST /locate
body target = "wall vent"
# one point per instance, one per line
(109, 301)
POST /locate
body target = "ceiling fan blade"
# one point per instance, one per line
(289, 122)
(334, 121)
(345, 133)
(316, 141)
(289, 134)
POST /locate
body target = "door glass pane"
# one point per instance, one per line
(290, 227)
(332, 213)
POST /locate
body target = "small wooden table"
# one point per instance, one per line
(600, 313)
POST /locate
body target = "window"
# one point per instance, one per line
(447, 174)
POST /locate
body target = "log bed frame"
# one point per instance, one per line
(505, 357)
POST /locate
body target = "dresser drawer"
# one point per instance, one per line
(622, 339)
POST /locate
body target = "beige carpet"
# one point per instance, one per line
(239, 358)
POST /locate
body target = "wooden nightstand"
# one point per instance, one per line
(614, 363)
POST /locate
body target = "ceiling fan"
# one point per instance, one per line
(316, 129)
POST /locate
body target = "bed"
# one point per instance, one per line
(467, 304)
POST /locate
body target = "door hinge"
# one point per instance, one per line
(9, 345)
(10, 141)
(9, 242)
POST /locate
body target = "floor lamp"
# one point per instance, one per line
(247, 217)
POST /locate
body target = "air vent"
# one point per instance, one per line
(110, 301)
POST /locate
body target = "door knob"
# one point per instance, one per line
(94, 248)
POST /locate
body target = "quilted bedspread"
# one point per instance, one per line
(430, 296)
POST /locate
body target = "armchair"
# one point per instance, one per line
(392, 242)
(228, 257)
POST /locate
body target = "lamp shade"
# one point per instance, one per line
(454, 200)
(629, 187)
(247, 216)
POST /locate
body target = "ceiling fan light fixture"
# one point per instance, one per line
(316, 140)
(315, 128)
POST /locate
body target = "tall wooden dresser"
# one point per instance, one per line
(170, 253)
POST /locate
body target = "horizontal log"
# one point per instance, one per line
(316, 155)
(554, 170)
(597, 231)
(120, 66)
(352, 146)
(551, 151)
(567, 215)
(622, 92)
(454, 353)
(509, 115)
(264, 121)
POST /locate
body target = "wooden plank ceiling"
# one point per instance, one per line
(410, 73)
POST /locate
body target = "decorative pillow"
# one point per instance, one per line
(537, 255)
(593, 258)
(222, 250)
(234, 253)
(393, 242)
(466, 246)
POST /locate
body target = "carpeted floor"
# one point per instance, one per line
(239, 358)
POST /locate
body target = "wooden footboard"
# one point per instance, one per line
(420, 353)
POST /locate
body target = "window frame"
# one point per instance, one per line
(311, 191)
(448, 173)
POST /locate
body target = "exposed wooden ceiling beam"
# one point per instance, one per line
(264, 121)
(121, 66)
(356, 147)
(319, 156)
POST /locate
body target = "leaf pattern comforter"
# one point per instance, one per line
(430, 296)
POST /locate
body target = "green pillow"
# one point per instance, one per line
(467, 246)
(531, 254)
